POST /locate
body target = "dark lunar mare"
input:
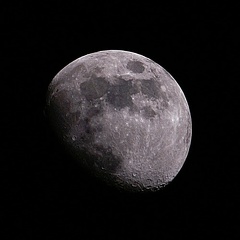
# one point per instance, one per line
(135, 66)
(119, 95)
(94, 88)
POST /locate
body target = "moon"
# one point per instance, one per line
(123, 117)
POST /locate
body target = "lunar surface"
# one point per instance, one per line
(123, 117)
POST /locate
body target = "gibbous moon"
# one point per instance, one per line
(123, 117)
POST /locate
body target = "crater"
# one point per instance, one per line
(135, 66)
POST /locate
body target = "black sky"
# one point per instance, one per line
(45, 193)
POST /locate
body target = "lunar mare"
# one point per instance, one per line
(123, 117)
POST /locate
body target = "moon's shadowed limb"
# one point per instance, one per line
(123, 117)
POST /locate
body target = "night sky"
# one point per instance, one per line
(45, 194)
